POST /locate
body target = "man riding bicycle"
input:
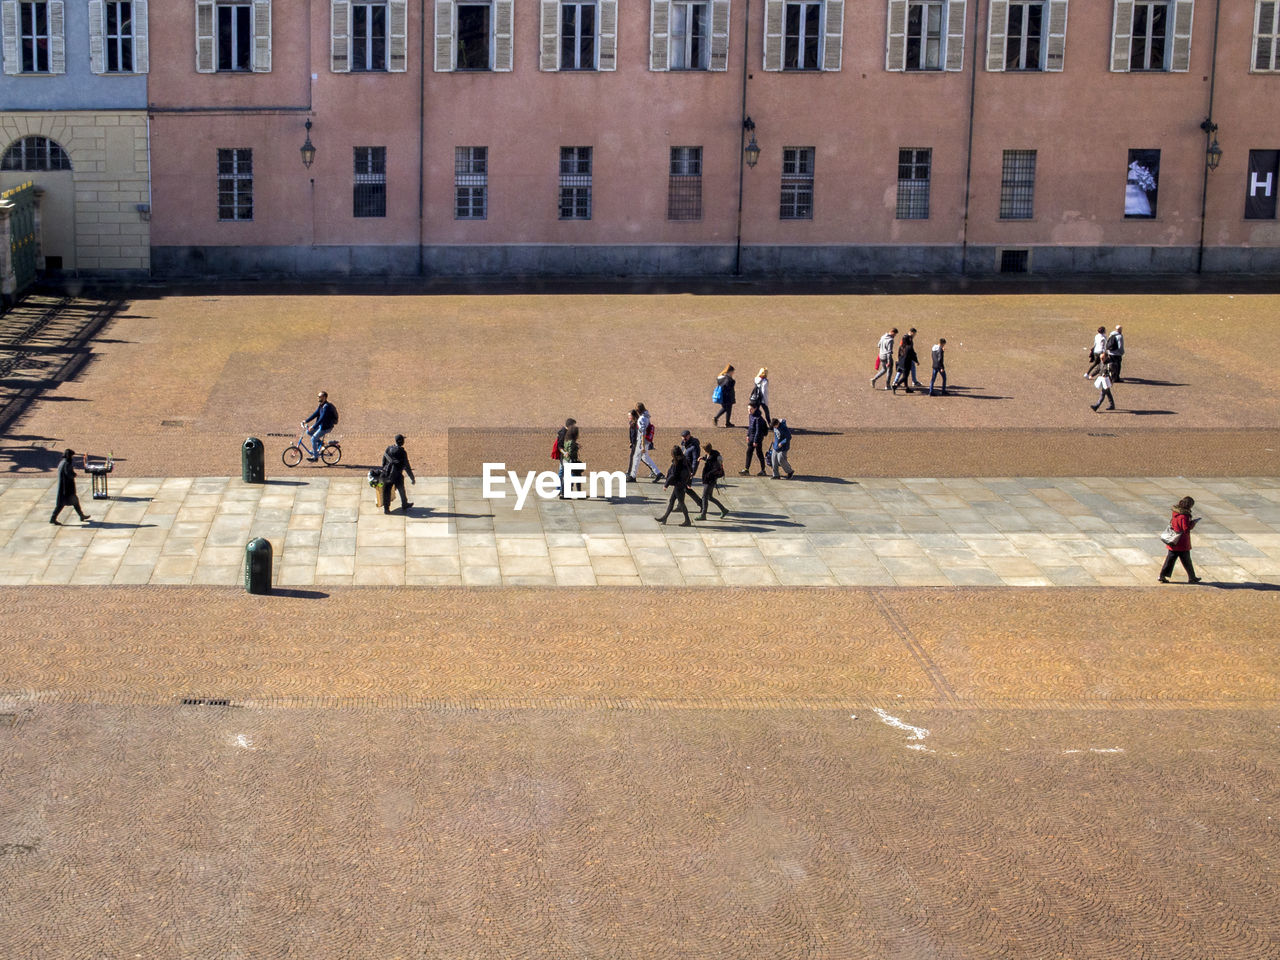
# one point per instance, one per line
(326, 418)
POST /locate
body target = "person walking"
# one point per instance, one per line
(781, 444)
(1096, 351)
(691, 447)
(1182, 522)
(395, 464)
(633, 431)
(1103, 383)
(570, 452)
(325, 418)
(678, 480)
(66, 490)
(756, 430)
(725, 388)
(1115, 351)
(760, 393)
(561, 434)
(712, 473)
(644, 443)
(915, 378)
(906, 357)
(939, 354)
(884, 350)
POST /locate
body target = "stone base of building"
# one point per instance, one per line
(772, 262)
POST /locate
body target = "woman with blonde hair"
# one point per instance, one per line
(724, 395)
(760, 393)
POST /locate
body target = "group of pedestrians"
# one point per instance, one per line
(1106, 354)
(901, 370)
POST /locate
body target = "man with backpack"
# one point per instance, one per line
(1115, 351)
(781, 444)
(557, 451)
(326, 418)
(395, 464)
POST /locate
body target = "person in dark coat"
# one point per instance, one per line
(757, 430)
(691, 447)
(678, 479)
(1180, 549)
(712, 472)
(727, 396)
(906, 359)
(395, 464)
(67, 496)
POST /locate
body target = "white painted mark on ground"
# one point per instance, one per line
(244, 742)
(1098, 750)
(917, 733)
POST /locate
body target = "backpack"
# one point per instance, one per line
(714, 469)
(1113, 344)
(333, 418)
(648, 433)
(555, 449)
(757, 396)
(717, 394)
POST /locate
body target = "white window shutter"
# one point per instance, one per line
(205, 30)
(398, 36)
(774, 19)
(444, 36)
(1055, 49)
(955, 35)
(719, 59)
(9, 27)
(659, 35)
(340, 36)
(997, 30)
(549, 27)
(57, 40)
(1183, 14)
(833, 33)
(895, 47)
(1257, 27)
(141, 40)
(607, 58)
(261, 36)
(97, 36)
(1121, 36)
(503, 35)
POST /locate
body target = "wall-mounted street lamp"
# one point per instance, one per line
(752, 150)
(1213, 154)
(308, 149)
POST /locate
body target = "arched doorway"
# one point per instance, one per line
(44, 161)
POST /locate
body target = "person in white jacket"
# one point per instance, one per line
(885, 351)
(760, 394)
(644, 443)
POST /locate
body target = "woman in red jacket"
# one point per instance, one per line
(1180, 549)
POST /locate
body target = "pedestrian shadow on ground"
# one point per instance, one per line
(1149, 383)
(426, 513)
(802, 432)
(808, 478)
(1224, 585)
(962, 392)
(111, 525)
(298, 594)
(1147, 413)
(747, 522)
(285, 483)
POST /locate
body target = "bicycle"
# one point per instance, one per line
(330, 453)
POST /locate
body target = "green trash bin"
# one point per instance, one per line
(257, 566)
(252, 466)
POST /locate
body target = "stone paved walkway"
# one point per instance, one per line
(868, 532)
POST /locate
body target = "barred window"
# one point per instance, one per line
(1018, 185)
(914, 164)
(1267, 33)
(924, 35)
(1150, 28)
(119, 37)
(797, 184)
(684, 189)
(1022, 42)
(369, 190)
(35, 153)
(471, 183)
(33, 32)
(575, 183)
(235, 184)
(368, 37)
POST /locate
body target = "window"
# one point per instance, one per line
(924, 35)
(1018, 185)
(35, 153)
(33, 34)
(1022, 43)
(118, 37)
(797, 184)
(913, 183)
(235, 184)
(689, 40)
(801, 35)
(578, 35)
(235, 36)
(1150, 27)
(471, 183)
(575, 183)
(368, 37)
(369, 188)
(1266, 36)
(684, 189)
(473, 36)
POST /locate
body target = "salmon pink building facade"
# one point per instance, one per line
(711, 137)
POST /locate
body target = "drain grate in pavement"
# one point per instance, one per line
(1103, 434)
(173, 423)
(8, 719)
(279, 434)
(204, 702)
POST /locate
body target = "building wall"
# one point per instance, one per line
(90, 215)
(1081, 121)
